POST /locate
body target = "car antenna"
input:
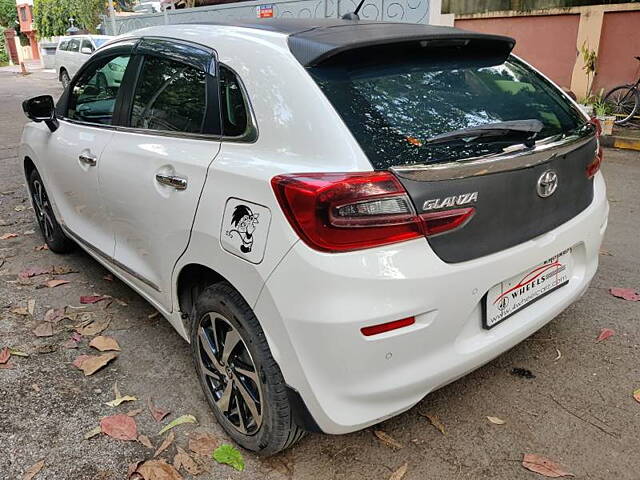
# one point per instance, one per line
(354, 15)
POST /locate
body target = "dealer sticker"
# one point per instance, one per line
(512, 295)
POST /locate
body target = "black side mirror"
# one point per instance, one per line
(41, 109)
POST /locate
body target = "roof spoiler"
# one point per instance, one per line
(315, 46)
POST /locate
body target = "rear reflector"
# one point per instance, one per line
(594, 166)
(386, 327)
(446, 220)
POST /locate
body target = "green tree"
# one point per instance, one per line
(52, 16)
(8, 13)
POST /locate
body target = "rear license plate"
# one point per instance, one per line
(512, 295)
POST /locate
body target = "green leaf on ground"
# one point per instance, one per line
(178, 421)
(230, 456)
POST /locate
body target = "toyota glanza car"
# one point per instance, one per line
(340, 216)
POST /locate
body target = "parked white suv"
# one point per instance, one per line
(340, 216)
(73, 51)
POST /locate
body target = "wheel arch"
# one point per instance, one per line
(29, 166)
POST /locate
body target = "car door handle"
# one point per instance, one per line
(172, 181)
(88, 159)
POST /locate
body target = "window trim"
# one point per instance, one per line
(251, 132)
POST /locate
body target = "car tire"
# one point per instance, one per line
(249, 372)
(64, 78)
(53, 235)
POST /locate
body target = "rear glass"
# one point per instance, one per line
(99, 41)
(392, 106)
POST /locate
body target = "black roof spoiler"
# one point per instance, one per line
(315, 45)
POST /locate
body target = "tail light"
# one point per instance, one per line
(338, 212)
(387, 327)
(594, 166)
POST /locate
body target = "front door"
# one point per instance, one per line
(154, 168)
(73, 166)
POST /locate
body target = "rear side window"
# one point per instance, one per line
(234, 107)
(394, 105)
(74, 45)
(169, 96)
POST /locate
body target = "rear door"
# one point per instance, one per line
(494, 192)
(154, 168)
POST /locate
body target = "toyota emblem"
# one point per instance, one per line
(547, 183)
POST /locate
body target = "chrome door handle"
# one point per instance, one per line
(88, 159)
(172, 181)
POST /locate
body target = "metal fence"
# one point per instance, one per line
(410, 11)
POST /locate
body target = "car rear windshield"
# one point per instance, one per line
(394, 104)
(100, 41)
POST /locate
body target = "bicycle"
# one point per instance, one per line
(624, 101)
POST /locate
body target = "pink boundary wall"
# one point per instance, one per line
(546, 42)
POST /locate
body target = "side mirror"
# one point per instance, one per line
(41, 109)
(86, 50)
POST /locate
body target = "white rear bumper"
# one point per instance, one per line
(318, 302)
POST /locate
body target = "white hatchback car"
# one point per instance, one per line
(340, 216)
(73, 51)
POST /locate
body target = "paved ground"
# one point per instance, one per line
(578, 410)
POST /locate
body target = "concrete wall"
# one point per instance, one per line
(547, 42)
(412, 11)
(551, 41)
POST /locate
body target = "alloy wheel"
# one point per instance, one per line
(229, 373)
(41, 204)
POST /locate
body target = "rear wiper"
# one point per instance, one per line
(524, 129)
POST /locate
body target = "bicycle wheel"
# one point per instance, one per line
(624, 102)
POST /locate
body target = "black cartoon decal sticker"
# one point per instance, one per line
(244, 229)
(243, 222)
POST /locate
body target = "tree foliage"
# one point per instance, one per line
(8, 13)
(52, 16)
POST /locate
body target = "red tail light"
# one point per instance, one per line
(347, 211)
(594, 166)
(337, 212)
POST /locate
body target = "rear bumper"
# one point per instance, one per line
(314, 304)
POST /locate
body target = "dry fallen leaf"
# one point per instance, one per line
(625, 293)
(165, 444)
(54, 315)
(120, 427)
(544, 466)
(435, 421)
(133, 413)
(400, 472)
(104, 343)
(183, 459)
(144, 440)
(33, 470)
(93, 432)
(636, 395)
(34, 272)
(87, 299)
(202, 443)
(178, 421)
(156, 412)
(119, 398)
(158, 470)
(108, 277)
(5, 355)
(604, 334)
(20, 311)
(153, 315)
(43, 329)
(55, 283)
(387, 439)
(39, 248)
(7, 236)
(62, 270)
(90, 364)
(31, 306)
(73, 342)
(496, 420)
(95, 327)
